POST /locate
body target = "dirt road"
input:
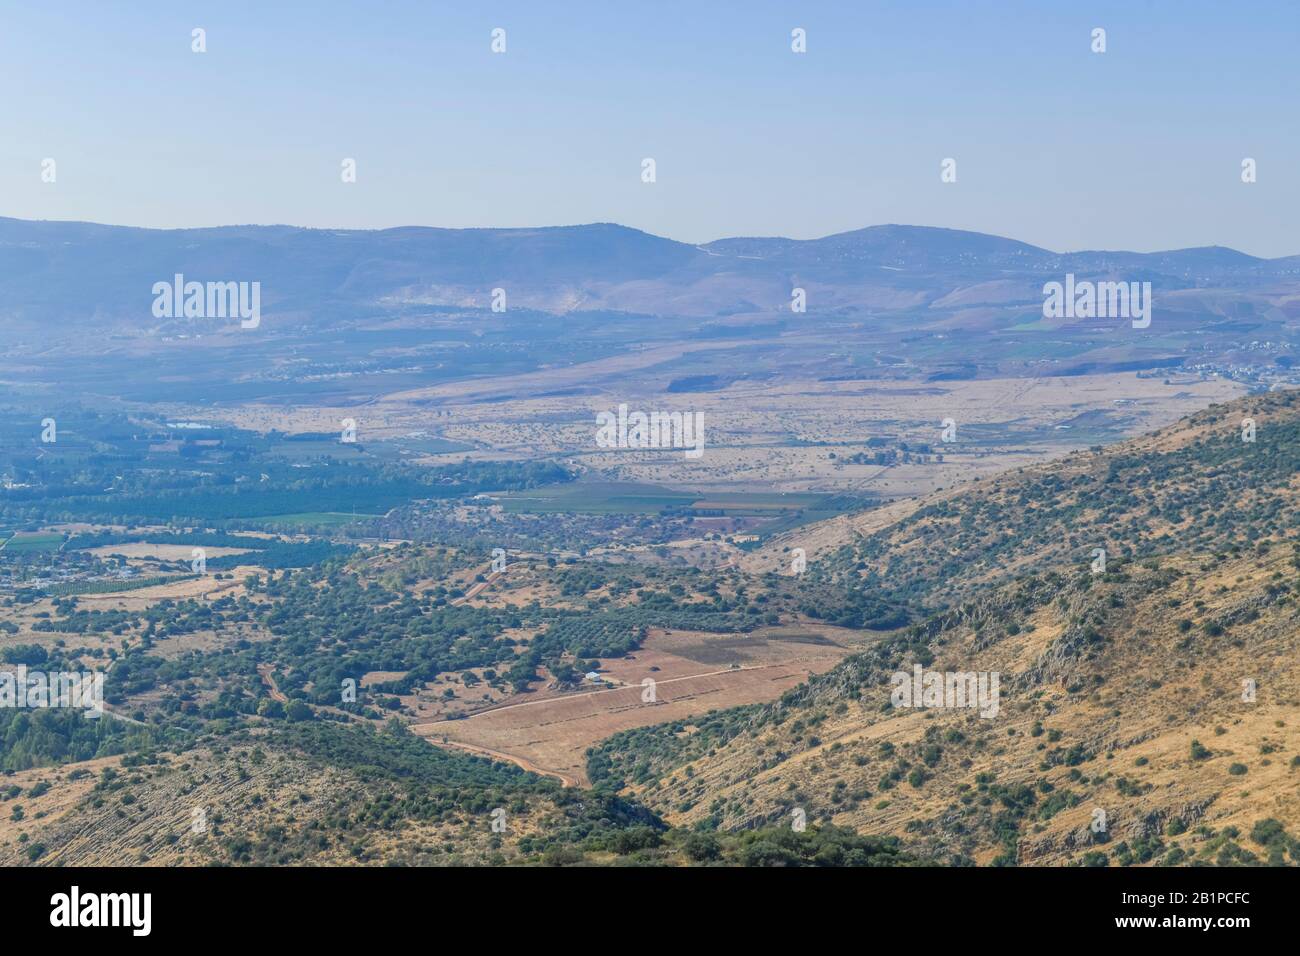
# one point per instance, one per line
(508, 758)
(478, 588)
(269, 680)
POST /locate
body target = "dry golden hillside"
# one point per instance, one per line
(1148, 710)
(317, 796)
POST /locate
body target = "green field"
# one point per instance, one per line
(597, 497)
(785, 510)
(33, 543)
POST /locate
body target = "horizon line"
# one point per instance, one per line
(581, 225)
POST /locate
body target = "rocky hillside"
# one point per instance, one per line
(324, 796)
(1148, 709)
(307, 794)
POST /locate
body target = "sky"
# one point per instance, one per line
(1136, 148)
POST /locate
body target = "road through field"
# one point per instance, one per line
(508, 758)
(603, 690)
(478, 587)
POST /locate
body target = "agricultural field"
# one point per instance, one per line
(32, 543)
(691, 674)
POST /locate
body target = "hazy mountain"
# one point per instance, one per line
(61, 276)
(908, 248)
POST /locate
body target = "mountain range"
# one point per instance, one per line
(69, 274)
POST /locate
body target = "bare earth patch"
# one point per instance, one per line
(693, 674)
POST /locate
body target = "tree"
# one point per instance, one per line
(296, 710)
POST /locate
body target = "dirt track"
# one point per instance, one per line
(509, 758)
(272, 687)
(478, 588)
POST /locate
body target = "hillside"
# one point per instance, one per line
(1123, 691)
(322, 796)
(287, 697)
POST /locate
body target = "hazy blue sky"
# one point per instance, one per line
(1137, 148)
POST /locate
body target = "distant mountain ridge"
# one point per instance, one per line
(70, 272)
(921, 247)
